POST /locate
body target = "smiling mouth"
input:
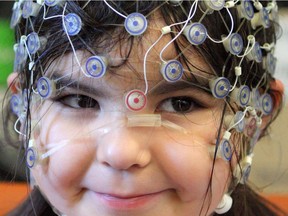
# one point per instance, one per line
(128, 202)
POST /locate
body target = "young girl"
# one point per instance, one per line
(144, 108)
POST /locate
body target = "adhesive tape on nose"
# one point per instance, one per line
(96, 66)
(172, 70)
(220, 87)
(195, 33)
(135, 24)
(46, 87)
(73, 24)
(245, 10)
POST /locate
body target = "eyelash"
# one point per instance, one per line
(181, 104)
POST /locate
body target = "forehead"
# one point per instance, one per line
(146, 54)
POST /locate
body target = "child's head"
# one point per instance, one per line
(142, 108)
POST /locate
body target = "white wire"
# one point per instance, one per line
(15, 126)
(190, 16)
(231, 29)
(114, 9)
(144, 63)
(73, 49)
(241, 119)
(236, 80)
(247, 51)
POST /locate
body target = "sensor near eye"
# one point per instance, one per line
(135, 100)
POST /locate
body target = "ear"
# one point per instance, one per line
(12, 82)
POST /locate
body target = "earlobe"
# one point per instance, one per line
(12, 82)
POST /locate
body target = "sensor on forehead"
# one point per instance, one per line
(172, 70)
(96, 66)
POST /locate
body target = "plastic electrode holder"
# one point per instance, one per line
(255, 54)
(33, 43)
(172, 70)
(16, 104)
(255, 99)
(266, 104)
(144, 120)
(225, 204)
(241, 95)
(261, 19)
(73, 24)
(269, 63)
(30, 9)
(45, 87)
(20, 53)
(220, 87)
(135, 24)
(195, 33)
(234, 44)
(240, 120)
(96, 66)
(245, 10)
(135, 100)
(51, 3)
(16, 15)
(31, 157)
(214, 5)
(225, 150)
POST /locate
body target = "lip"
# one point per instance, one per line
(120, 202)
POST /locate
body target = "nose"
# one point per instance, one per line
(124, 148)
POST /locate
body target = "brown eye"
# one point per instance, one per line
(178, 105)
(79, 101)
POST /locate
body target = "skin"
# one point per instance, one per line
(140, 171)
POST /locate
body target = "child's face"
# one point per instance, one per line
(107, 168)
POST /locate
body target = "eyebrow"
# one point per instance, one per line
(70, 82)
(167, 87)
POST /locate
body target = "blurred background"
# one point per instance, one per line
(270, 165)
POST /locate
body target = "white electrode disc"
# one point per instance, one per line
(172, 70)
(73, 24)
(95, 66)
(16, 15)
(255, 99)
(215, 4)
(270, 63)
(20, 54)
(257, 52)
(220, 87)
(27, 9)
(31, 157)
(195, 33)
(225, 150)
(244, 95)
(44, 87)
(235, 44)
(265, 18)
(16, 104)
(51, 3)
(135, 24)
(33, 43)
(135, 100)
(266, 104)
(246, 9)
